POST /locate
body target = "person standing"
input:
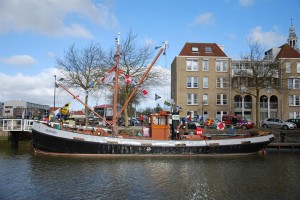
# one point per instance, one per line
(142, 119)
(234, 122)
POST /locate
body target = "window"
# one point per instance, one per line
(195, 49)
(221, 65)
(221, 82)
(208, 50)
(205, 82)
(192, 82)
(221, 99)
(205, 99)
(298, 67)
(220, 114)
(293, 83)
(192, 65)
(192, 99)
(205, 65)
(294, 100)
(288, 68)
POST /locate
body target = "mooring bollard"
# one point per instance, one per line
(282, 137)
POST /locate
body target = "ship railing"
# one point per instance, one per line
(17, 124)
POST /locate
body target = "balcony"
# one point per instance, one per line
(242, 72)
(238, 105)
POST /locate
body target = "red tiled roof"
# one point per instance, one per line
(287, 52)
(216, 50)
(79, 112)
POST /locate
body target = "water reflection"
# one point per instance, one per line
(30, 176)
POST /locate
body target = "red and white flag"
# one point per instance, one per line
(127, 79)
(144, 92)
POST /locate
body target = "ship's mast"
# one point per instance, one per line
(162, 49)
(114, 119)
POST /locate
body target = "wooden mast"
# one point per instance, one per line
(114, 119)
(164, 46)
(76, 97)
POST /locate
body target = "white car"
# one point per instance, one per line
(277, 123)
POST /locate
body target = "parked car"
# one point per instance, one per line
(242, 122)
(277, 123)
(193, 125)
(295, 121)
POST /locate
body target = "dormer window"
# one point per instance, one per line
(195, 49)
(208, 50)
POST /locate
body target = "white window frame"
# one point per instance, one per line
(222, 99)
(298, 67)
(205, 82)
(294, 100)
(192, 82)
(221, 82)
(219, 114)
(205, 65)
(192, 99)
(192, 64)
(205, 99)
(294, 83)
(288, 68)
(221, 65)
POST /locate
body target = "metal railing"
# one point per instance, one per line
(17, 124)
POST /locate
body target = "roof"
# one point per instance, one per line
(287, 52)
(202, 49)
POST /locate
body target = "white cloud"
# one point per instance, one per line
(19, 60)
(51, 17)
(205, 18)
(40, 89)
(246, 3)
(268, 39)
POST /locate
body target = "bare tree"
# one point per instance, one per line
(80, 68)
(256, 75)
(133, 62)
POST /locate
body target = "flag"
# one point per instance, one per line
(57, 113)
(167, 103)
(65, 109)
(127, 79)
(108, 78)
(92, 84)
(134, 84)
(144, 92)
(220, 126)
(157, 97)
(189, 115)
(111, 75)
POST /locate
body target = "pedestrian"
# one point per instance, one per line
(234, 122)
(142, 119)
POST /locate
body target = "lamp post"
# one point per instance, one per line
(54, 97)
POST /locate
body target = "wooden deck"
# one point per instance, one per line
(284, 146)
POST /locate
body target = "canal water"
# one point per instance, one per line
(26, 175)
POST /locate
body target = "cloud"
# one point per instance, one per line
(39, 89)
(204, 19)
(52, 17)
(19, 60)
(268, 39)
(246, 3)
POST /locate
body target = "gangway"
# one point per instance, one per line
(17, 125)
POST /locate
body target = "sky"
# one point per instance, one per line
(33, 33)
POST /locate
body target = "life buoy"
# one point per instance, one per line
(199, 131)
(100, 131)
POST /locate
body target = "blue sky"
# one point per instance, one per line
(34, 32)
